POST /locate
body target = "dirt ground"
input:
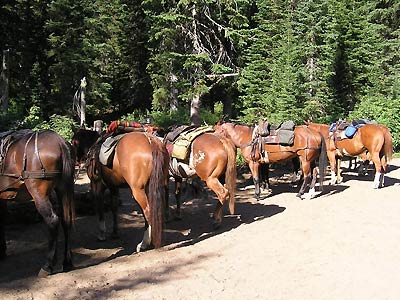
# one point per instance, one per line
(344, 244)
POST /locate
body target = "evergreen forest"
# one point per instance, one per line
(194, 61)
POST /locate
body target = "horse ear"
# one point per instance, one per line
(74, 129)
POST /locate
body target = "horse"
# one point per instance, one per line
(81, 142)
(140, 161)
(210, 156)
(371, 142)
(39, 162)
(308, 146)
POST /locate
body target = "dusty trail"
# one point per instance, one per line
(344, 244)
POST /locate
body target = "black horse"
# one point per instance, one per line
(40, 162)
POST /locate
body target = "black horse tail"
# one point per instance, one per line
(322, 161)
(157, 188)
(230, 172)
(67, 179)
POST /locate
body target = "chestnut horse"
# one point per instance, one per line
(210, 157)
(370, 142)
(141, 161)
(308, 146)
(39, 162)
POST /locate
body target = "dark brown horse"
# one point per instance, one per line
(308, 145)
(81, 142)
(370, 142)
(141, 161)
(39, 162)
(210, 157)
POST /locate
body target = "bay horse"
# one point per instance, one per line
(210, 157)
(308, 146)
(140, 161)
(39, 162)
(370, 142)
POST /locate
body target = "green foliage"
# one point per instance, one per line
(61, 124)
(382, 110)
(301, 60)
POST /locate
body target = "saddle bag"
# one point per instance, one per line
(350, 131)
(180, 148)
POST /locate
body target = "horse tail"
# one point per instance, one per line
(157, 189)
(387, 144)
(230, 172)
(67, 178)
(322, 161)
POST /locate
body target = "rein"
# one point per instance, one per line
(40, 174)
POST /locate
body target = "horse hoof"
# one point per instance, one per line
(43, 273)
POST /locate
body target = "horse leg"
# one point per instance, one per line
(114, 192)
(295, 169)
(264, 176)
(255, 170)
(378, 170)
(339, 178)
(178, 190)
(307, 177)
(67, 263)
(222, 194)
(45, 209)
(98, 190)
(332, 163)
(313, 182)
(141, 198)
(3, 246)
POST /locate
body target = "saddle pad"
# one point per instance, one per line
(107, 149)
(281, 137)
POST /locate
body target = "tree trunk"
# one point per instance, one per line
(83, 102)
(195, 110)
(4, 81)
(173, 103)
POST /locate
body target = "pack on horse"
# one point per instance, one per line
(370, 142)
(307, 146)
(207, 155)
(40, 162)
(139, 160)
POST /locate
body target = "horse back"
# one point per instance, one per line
(133, 159)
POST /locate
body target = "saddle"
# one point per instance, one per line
(344, 130)
(178, 142)
(265, 133)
